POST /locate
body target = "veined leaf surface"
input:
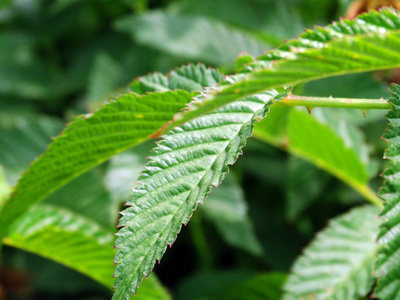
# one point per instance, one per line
(68, 238)
(90, 140)
(301, 134)
(338, 264)
(367, 43)
(182, 169)
(388, 263)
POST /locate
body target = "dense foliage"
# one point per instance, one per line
(270, 210)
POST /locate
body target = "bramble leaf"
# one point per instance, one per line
(338, 264)
(204, 39)
(88, 141)
(370, 42)
(74, 241)
(301, 134)
(260, 287)
(388, 263)
(182, 169)
(227, 209)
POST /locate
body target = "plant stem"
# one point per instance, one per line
(310, 102)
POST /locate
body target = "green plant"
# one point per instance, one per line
(204, 120)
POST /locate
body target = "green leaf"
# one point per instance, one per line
(123, 170)
(4, 188)
(211, 285)
(190, 78)
(349, 46)
(87, 196)
(74, 241)
(227, 209)
(67, 238)
(88, 141)
(262, 18)
(338, 264)
(305, 183)
(180, 174)
(318, 143)
(388, 264)
(261, 287)
(192, 37)
(301, 134)
(22, 138)
(104, 79)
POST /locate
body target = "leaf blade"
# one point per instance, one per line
(367, 43)
(74, 241)
(182, 170)
(339, 262)
(388, 266)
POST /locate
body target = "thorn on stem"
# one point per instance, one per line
(364, 112)
(309, 110)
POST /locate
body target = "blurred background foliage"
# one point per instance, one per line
(65, 57)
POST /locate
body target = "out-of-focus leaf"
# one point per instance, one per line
(260, 287)
(22, 138)
(388, 263)
(193, 37)
(104, 78)
(338, 264)
(323, 52)
(124, 168)
(88, 141)
(272, 21)
(91, 139)
(4, 187)
(87, 196)
(227, 209)
(318, 143)
(68, 238)
(16, 48)
(304, 136)
(305, 183)
(210, 285)
(190, 78)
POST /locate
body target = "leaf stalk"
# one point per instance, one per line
(311, 102)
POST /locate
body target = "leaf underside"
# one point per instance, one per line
(182, 169)
(339, 262)
(388, 263)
